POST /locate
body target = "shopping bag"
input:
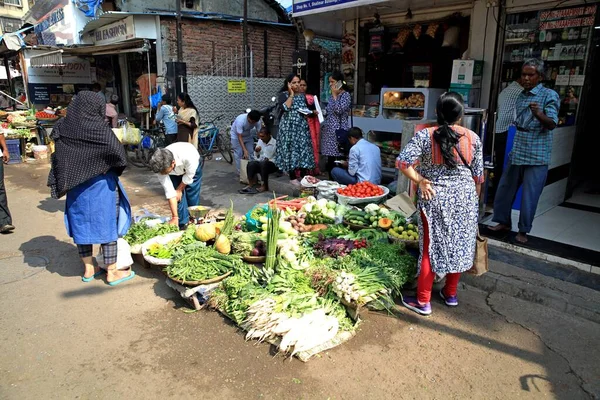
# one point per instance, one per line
(124, 259)
(480, 263)
(244, 171)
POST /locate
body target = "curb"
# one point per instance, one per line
(575, 305)
(544, 256)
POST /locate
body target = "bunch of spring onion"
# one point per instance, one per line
(360, 287)
(272, 235)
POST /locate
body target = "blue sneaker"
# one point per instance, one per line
(451, 301)
(412, 304)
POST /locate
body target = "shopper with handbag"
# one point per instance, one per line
(338, 109)
(449, 177)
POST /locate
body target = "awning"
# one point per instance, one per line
(108, 18)
(329, 23)
(117, 48)
(11, 42)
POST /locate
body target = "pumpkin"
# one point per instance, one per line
(223, 245)
(206, 232)
(385, 223)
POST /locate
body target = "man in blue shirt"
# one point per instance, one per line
(167, 117)
(536, 116)
(242, 138)
(364, 161)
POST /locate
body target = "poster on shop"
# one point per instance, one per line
(306, 7)
(74, 71)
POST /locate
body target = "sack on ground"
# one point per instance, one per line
(244, 171)
(480, 263)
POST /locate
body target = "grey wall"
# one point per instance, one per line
(257, 9)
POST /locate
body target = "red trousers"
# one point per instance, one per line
(427, 276)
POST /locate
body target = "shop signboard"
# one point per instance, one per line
(57, 28)
(305, 7)
(236, 86)
(116, 32)
(74, 71)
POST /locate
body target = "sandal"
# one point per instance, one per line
(91, 278)
(248, 190)
(124, 279)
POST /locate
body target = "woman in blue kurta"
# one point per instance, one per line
(86, 167)
(294, 144)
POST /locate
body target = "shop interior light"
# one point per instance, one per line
(396, 94)
(597, 27)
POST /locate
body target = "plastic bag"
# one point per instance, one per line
(253, 224)
(124, 260)
(131, 134)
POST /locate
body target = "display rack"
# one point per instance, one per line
(562, 39)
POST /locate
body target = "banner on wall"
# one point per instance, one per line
(306, 7)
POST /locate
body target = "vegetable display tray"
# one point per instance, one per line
(345, 200)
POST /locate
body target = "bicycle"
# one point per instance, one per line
(208, 137)
(152, 139)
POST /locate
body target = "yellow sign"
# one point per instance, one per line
(236, 86)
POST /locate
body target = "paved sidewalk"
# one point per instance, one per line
(65, 339)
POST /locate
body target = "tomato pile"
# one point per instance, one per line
(44, 115)
(361, 189)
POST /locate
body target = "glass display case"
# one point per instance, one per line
(559, 37)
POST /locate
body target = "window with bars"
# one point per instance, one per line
(13, 3)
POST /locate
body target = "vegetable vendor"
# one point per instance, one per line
(364, 162)
(180, 174)
(265, 153)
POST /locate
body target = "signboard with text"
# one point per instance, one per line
(236, 86)
(305, 7)
(74, 71)
(116, 32)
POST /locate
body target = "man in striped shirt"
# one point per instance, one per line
(535, 119)
(507, 103)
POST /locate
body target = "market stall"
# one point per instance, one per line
(295, 273)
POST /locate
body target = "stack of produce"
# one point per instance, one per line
(361, 190)
(141, 232)
(405, 232)
(304, 298)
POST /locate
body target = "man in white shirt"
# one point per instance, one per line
(242, 139)
(180, 174)
(264, 153)
(364, 162)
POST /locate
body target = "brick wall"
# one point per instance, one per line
(199, 36)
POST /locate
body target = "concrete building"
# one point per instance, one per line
(11, 15)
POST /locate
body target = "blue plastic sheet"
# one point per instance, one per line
(88, 7)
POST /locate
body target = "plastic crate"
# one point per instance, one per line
(14, 150)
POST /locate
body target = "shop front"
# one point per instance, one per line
(566, 39)
(398, 59)
(116, 51)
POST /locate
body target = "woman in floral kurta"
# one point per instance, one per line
(448, 200)
(294, 144)
(338, 112)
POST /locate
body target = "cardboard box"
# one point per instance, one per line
(403, 204)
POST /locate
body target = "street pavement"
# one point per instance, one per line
(62, 338)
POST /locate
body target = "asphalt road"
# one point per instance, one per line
(62, 338)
